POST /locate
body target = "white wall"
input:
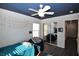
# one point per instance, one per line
(14, 27)
(61, 24)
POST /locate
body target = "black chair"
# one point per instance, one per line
(38, 42)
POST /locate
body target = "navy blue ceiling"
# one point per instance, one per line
(58, 8)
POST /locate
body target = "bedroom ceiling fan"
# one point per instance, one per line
(42, 11)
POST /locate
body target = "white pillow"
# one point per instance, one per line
(27, 44)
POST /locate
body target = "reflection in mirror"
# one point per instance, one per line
(53, 35)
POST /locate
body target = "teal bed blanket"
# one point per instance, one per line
(20, 49)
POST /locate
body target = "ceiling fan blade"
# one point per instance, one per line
(46, 8)
(41, 6)
(34, 14)
(50, 13)
(32, 10)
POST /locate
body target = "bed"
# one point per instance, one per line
(19, 49)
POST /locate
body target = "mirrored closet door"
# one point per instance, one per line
(50, 33)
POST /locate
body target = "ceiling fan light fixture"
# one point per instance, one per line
(41, 14)
(42, 11)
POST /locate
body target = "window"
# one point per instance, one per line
(36, 28)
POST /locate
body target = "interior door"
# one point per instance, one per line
(71, 36)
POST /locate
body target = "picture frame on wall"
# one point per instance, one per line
(60, 29)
